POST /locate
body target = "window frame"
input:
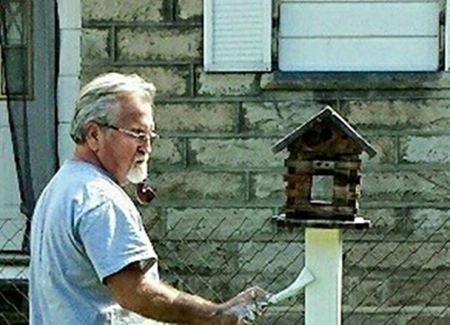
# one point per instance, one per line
(443, 40)
(273, 20)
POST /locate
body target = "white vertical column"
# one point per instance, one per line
(323, 258)
(12, 223)
(69, 12)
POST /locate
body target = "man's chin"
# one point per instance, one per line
(136, 177)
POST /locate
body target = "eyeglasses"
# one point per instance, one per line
(139, 136)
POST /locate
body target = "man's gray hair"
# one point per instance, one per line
(99, 101)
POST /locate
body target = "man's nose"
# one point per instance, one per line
(146, 146)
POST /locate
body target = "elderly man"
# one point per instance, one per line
(90, 253)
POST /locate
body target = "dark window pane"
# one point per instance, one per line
(15, 28)
(16, 70)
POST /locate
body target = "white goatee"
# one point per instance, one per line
(138, 173)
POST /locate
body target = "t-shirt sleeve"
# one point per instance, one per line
(113, 238)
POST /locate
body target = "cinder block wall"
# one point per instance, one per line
(218, 182)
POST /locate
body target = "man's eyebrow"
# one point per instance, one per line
(151, 128)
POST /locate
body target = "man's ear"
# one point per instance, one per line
(93, 136)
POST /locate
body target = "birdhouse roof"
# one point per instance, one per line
(325, 114)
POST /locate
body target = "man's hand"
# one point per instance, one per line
(246, 306)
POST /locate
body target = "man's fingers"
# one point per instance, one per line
(254, 293)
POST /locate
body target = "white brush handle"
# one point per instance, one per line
(304, 278)
(256, 308)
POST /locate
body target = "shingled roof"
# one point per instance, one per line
(327, 113)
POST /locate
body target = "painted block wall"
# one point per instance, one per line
(218, 183)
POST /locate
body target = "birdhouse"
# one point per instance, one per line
(323, 179)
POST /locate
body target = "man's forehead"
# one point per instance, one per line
(135, 105)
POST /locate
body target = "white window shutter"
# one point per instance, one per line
(237, 35)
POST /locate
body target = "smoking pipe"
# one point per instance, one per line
(144, 193)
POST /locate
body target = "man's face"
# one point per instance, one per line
(123, 153)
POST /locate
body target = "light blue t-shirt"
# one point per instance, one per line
(84, 228)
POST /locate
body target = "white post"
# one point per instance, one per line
(323, 258)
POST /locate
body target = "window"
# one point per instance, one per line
(327, 35)
(15, 27)
(339, 35)
(322, 189)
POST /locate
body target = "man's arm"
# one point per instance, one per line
(156, 300)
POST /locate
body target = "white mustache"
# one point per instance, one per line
(141, 159)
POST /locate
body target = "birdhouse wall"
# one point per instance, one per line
(298, 186)
(346, 194)
(299, 182)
